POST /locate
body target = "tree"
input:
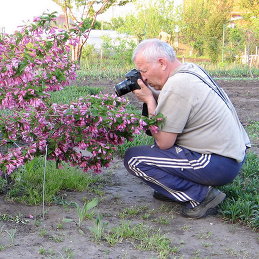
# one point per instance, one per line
(202, 24)
(219, 17)
(251, 6)
(149, 19)
(194, 15)
(80, 17)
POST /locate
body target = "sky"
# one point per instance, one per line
(17, 12)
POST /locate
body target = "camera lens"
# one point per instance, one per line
(123, 87)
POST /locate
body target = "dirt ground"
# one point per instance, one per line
(211, 237)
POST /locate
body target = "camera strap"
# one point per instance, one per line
(217, 89)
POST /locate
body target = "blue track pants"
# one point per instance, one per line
(179, 173)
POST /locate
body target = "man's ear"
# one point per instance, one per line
(163, 63)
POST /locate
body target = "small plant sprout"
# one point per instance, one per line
(85, 211)
(99, 227)
(11, 233)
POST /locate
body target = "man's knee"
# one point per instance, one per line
(129, 154)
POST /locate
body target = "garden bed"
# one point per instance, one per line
(145, 227)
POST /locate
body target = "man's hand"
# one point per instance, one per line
(145, 95)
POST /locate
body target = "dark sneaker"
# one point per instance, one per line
(213, 199)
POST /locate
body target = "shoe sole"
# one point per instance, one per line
(205, 211)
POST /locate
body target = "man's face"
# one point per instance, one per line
(152, 72)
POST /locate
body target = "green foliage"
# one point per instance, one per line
(27, 186)
(141, 139)
(86, 211)
(230, 71)
(149, 19)
(243, 202)
(104, 70)
(88, 52)
(81, 17)
(119, 50)
(143, 237)
(192, 24)
(253, 130)
(72, 93)
(213, 49)
(99, 227)
(251, 6)
(114, 24)
(3, 185)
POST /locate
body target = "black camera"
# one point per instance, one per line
(128, 85)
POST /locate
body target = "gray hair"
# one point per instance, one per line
(154, 48)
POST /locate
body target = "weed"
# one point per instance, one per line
(69, 253)
(2, 247)
(205, 235)
(143, 237)
(43, 232)
(85, 211)
(46, 252)
(56, 238)
(16, 219)
(146, 216)
(161, 220)
(3, 185)
(11, 233)
(164, 208)
(99, 228)
(60, 226)
(206, 244)
(132, 211)
(186, 227)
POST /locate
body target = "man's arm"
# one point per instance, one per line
(164, 140)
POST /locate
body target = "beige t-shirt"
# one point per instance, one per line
(203, 121)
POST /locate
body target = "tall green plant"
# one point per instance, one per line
(194, 15)
(119, 50)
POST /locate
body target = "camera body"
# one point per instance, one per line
(128, 85)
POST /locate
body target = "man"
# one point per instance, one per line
(202, 144)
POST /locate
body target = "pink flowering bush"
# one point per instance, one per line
(85, 133)
(96, 124)
(34, 61)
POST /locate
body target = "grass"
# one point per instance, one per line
(253, 130)
(99, 70)
(234, 71)
(142, 237)
(108, 71)
(242, 204)
(72, 93)
(27, 186)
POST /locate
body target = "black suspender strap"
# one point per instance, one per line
(215, 87)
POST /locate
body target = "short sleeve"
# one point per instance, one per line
(174, 103)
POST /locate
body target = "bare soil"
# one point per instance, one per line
(211, 237)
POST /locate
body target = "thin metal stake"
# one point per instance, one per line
(43, 185)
